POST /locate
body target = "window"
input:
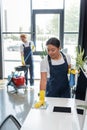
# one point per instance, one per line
(16, 16)
(17, 19)
(47, 4)
(71, 26)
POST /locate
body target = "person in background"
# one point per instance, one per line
(27, 49)
(54, 73)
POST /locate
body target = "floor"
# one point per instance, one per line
(18, 104)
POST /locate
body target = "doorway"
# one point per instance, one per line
(46, 24)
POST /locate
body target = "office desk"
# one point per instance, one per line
(46, 119)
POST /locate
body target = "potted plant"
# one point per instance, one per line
(79, 57)
(44, 52)
(80, 62)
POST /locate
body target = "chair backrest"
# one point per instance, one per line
(10, 123)
(81, 94)
(81, 86)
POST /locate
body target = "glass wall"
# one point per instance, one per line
(50, 27)
(16, 16)
(71, 26)
(47, 4)
(17, 19)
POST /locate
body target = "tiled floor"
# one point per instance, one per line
(17, 104)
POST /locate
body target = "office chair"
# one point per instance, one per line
(10, 123)
(81, 86)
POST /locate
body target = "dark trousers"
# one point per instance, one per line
(31, 73)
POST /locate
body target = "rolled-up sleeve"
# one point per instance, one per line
(68, 59)
(21, 48)
(44, 65)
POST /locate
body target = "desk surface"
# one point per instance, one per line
(46, 119)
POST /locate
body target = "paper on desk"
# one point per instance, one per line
(42, 107)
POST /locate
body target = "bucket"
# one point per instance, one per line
(18, 81)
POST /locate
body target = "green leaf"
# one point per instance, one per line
(79, 58)
(44, 52)
(83, 106)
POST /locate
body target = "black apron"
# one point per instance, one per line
(27, 54)
(28, 58)
(58, 84)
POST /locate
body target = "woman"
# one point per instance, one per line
(54, 72)
(27, 57)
